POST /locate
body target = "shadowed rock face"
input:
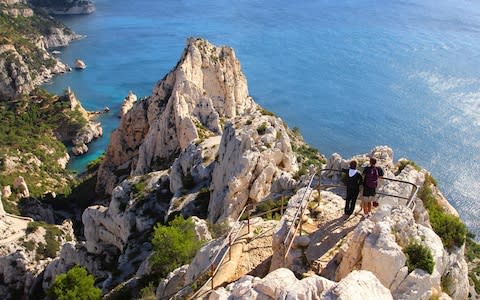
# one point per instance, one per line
(206, 88)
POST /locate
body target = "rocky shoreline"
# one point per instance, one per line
(201, 147)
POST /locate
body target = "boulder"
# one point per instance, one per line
(20, 187)
(79, 64)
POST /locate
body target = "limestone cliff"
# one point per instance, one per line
(206, 89)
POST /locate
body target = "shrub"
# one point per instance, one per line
(262, 128)
(173, 245)
(403, 163)
(75, 284)
(266, 112)
(449, 228)
(419, 257)
(148, 292)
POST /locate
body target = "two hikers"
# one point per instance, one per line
(354, 179)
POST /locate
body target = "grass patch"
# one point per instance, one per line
(266, 112)
(405, 162)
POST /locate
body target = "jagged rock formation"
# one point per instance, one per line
(127, 103)
(22, 263)
(205, 89)
(82, 132)
(282, 284)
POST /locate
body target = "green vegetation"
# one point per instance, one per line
(262, 128)
(419, 257)
(269, 205)
(95, 164)
(448, 227)
(472, 254)
(202, 131)
(403, 163)
(148, 292)
(266, 112)
(173, 245)
(22, 32)
(307, 156)
(218, 229)
(52, 237)
(28, 130)
(75, 284)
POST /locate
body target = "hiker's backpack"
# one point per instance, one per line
(371, 177)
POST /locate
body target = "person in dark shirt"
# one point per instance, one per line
(353, 182)
(372, 174)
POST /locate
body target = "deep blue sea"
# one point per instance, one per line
(349, 74)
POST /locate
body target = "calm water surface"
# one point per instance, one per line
(350, 76)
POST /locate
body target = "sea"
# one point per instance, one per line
(349, 74)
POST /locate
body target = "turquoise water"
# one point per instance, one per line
(350, 76)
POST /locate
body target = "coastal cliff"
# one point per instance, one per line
(200, 147)
(25, 62)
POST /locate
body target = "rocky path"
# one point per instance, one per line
(12, 228)
(327, 233)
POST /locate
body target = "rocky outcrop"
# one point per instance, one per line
(82, 128)
(206, 88)
(59, 37)
(21, 188)
(26, 65)
(127, 103)
(22, 264)
(79, 64)
(282, 284)
(107, 229)
(249, 162)
(73, 254)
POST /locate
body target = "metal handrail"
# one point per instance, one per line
(212, 262)
(410, 198)
(410, 203)
(231, 242)
(300, 211)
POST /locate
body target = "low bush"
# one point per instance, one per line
(419, 257)
(262, 128)
(75, 284)
(449, 228)
(173, 245)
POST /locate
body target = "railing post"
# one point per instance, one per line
(230, 247)
(213, 270)
(281, 207)
(248, 221)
